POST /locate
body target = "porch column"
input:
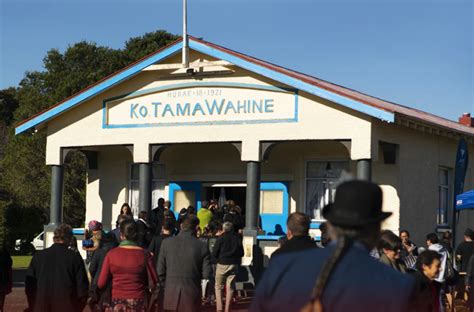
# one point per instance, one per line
(56, 204)
(252, 196)
(364, 169)
(144, 185)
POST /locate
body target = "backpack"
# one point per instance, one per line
(449, 272)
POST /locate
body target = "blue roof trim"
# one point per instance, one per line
(294, 82)
(201, 47)
(101, 87)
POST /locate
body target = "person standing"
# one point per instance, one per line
(464, 252)
(408, 253)
(6, 281)
(130, 267)
(228, 251)
(427, 266)
(56, 279)
(145, 233)
(116, 231)
(297, 233)
(155, 245)
(298, 281)
(100, 299)
(390, 246)
(204, 215)
(183, 262)
(157, 215)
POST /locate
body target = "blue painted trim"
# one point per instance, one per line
(294, 82)
(314, 225)
(107, 84)
(271, 220)
(199, 123)
(184, 186)
(200, 47)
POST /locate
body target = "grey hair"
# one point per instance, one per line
(227, 227)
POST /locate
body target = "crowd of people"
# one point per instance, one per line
(147, 263)
(161, 262)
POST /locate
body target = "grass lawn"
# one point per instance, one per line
(21, 262)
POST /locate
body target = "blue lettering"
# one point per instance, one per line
(241, 105)
(156, 104)
(214, 106)
(257, 105)
(133, 113)
(229, 106)
(268, 105)
(198, 107)
(183, 110)
(143, 111)
(167, 110)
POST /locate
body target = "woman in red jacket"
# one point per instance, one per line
(130, 267)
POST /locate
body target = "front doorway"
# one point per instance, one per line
(223, 192)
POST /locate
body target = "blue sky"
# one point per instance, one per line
(418, 53)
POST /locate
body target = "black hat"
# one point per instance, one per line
(357, 203)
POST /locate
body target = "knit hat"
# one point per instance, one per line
(95, 225)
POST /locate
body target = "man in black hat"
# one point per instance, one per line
(349, 279)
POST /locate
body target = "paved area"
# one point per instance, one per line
(16, 301)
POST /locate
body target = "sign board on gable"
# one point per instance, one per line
(201, 104)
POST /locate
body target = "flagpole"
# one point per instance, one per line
(185, 36)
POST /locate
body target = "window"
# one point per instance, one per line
(157, 186)
(444, 191)
(322, 177)
(271, 202)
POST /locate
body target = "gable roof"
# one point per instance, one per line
(352, 99)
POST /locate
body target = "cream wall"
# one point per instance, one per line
(82, 126)
(108, 185)
(415, 177)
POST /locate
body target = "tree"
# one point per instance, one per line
(25, 182)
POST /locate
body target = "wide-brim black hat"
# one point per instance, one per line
(357, 203)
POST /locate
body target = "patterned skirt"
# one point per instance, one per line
(126, 305)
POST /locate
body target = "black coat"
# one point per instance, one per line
(427, 293)
(358, 283)
(102, 296)
(228, 249)
(56, 280)
(183, 262)
(296, 243)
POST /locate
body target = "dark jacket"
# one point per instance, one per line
(358, 283)
(183, 262)
(103, 296)
(155, 246)
(56, 280)
(228, 249)
(398, 265)
(144, 232)
(296, 243)
(426, 295)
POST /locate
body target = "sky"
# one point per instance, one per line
(417, 53)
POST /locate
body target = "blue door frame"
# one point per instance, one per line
(275, 223)
(185, 186)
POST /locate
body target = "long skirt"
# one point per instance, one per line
(127, 305)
